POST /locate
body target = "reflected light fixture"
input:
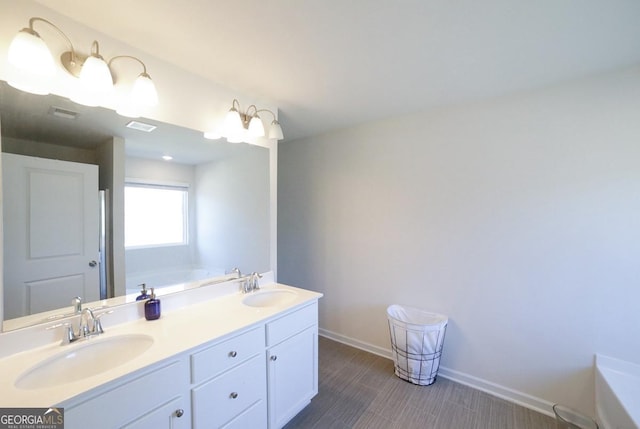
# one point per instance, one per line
(241, 126)
(34, 71)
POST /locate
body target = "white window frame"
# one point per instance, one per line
(157, 184)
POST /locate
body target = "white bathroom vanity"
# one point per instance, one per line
(216, 358)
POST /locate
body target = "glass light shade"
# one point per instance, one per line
(275, 131)
(256, 127)
(95, 82)
(143, 94)
(29, 52)
(33, 63)
(96, 76)
(232, 123)
(144, 91)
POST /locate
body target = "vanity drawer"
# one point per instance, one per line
(289, 325)
(219, 401)
(227, 354)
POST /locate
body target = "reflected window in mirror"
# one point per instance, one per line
(156, 215)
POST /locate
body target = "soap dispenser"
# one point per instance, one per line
(152, 307)
(143, 293)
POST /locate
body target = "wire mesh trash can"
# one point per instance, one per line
(567, 418)
(417, 337)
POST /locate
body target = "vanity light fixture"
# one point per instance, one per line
(240, 126)
(143, 93)
(35, 71)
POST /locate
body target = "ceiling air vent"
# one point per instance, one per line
(62, 113)
(141, 126)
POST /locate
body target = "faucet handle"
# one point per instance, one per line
(255, 280)
(97, 323)
(97, 327)
(69, 336)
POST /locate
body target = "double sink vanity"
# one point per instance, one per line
(217, 358)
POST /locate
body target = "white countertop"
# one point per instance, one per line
(177, 331)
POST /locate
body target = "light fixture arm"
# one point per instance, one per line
(144, 67)
(245, 116)
(267, 110)
(95, 49)
(31, 30)
(255, 111)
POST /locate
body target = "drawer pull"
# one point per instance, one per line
(233, 395)
(233, 353)
(274, 357)
(179, 412)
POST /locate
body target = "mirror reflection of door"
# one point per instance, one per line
(46, 267)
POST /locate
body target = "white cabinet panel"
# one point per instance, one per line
(222, 356)
(291, 324)
(129, 398)
(292, 363)
(172, 415)
(220, 400)
(254, 417)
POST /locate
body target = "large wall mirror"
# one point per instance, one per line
(218, 193)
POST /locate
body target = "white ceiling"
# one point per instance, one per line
(334, 63)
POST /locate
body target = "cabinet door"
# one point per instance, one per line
(131, 398)
(172, 415)
(293, 376)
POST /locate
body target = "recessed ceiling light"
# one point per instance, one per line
(167, 157)
(141, 126)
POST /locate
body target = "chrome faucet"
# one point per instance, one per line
(255, 281)
(86, 316)
(251, 283)
(90, 325)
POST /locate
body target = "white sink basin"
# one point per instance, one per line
(269, 298)
(89, 358)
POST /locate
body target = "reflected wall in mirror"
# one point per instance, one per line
(226, 221)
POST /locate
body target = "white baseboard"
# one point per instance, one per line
(520, 398)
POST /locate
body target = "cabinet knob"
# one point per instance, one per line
(274, 357)
(233, 395)
(179, 412)
(233, 353)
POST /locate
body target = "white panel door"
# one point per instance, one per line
(51, 231)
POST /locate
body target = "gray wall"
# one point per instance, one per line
(233, 211)
(518, 217)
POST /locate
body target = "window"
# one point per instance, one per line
(155, 215)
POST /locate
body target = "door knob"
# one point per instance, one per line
(92, 263)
